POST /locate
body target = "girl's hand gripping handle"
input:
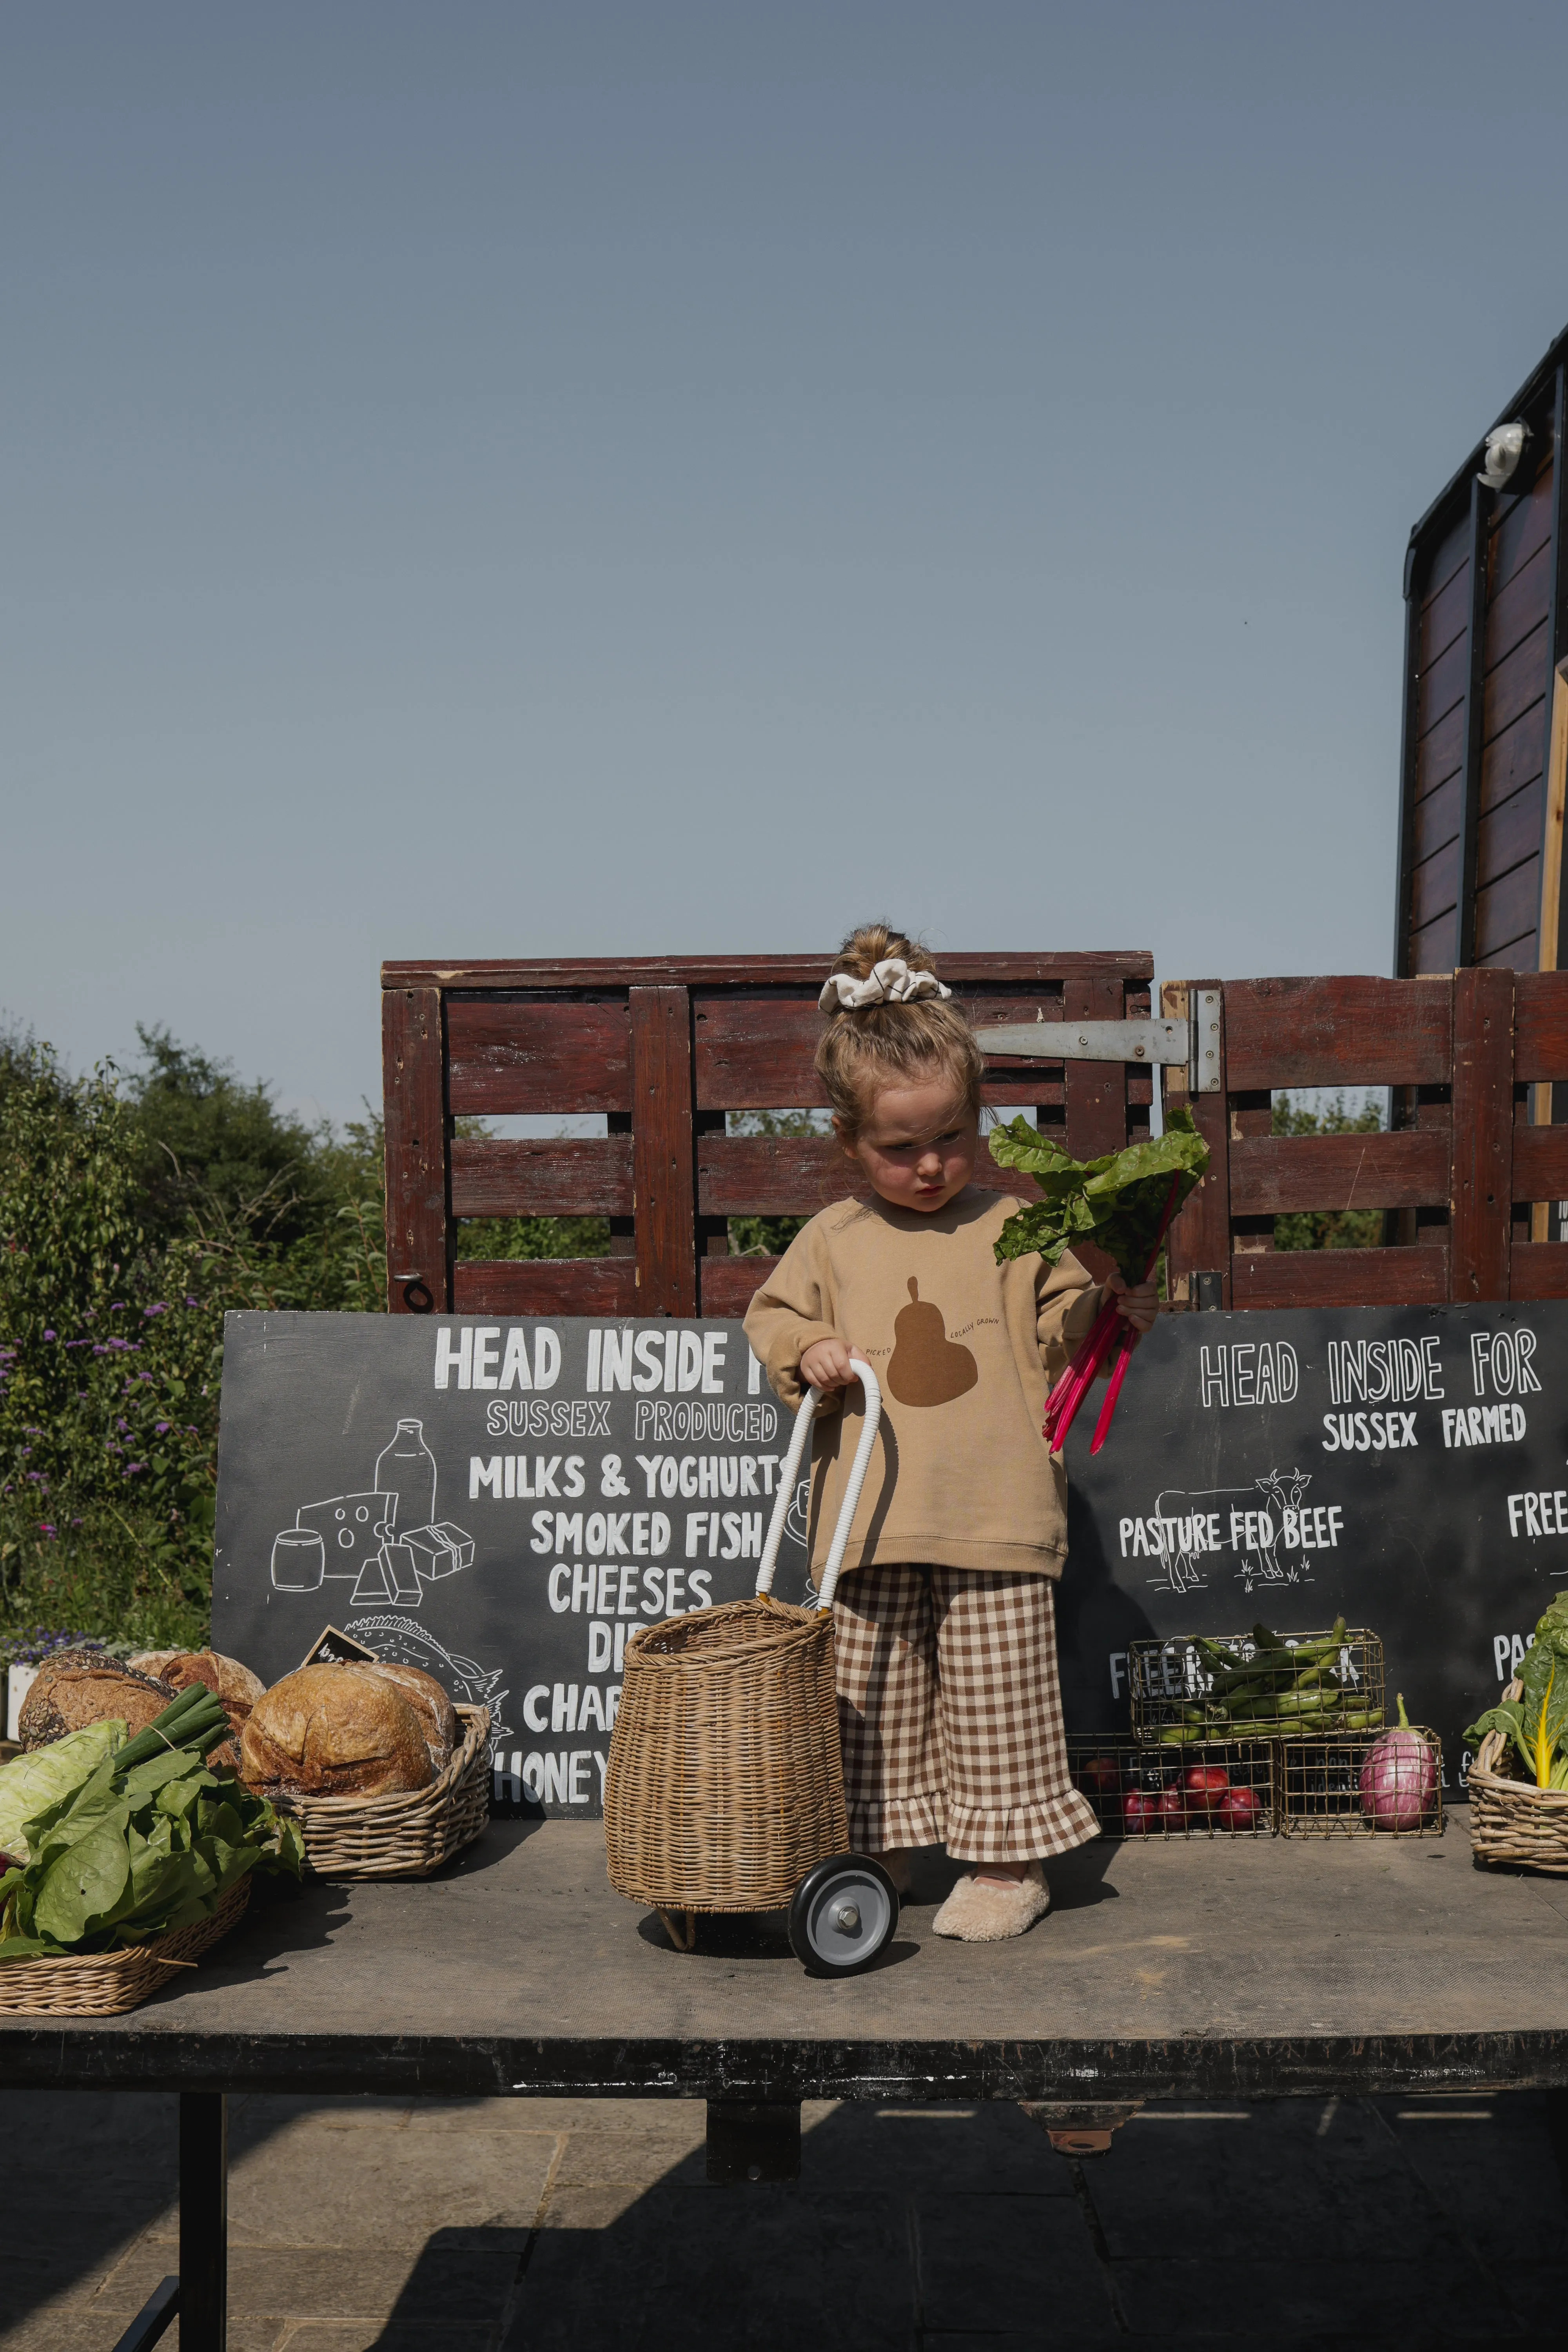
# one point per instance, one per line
(790, 1470)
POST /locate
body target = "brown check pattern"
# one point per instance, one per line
(950, 1715)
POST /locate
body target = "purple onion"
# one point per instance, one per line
(1399, 1779)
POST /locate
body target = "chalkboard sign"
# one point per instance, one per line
(498, 1503)
(1402, 1467)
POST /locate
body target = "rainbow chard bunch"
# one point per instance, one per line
(1537, 1722)
(1124, 1204)
(138, 1842)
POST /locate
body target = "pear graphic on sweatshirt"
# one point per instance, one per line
(926, 1366)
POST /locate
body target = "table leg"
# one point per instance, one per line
(204, 2221)
(750, 2139)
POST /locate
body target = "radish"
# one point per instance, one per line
(1206, 1784)
(1239, 1809)
(1140, 1811)
(1399, 1779)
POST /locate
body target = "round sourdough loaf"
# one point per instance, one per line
(82, 1687)
(431, 1704)
(235, 1687)
(335, 1731)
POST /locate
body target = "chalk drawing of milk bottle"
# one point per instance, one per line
(407, 1468)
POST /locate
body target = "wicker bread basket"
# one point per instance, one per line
(105, 1984)
(405, 1836)
(725, 1781)
(1511, 1821)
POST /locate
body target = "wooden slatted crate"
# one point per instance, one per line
(666, 1048)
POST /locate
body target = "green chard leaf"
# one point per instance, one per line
(1116, 1201)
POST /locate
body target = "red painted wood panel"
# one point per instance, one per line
(1275, 1175)
(1514, 759)
(1436, 820)
(1434, 950)
(1441, 753)
(1095, 1091)
(416, 1143)
(1445, 617)
(756, 1052)
(1507, 836)
(1199, 1240)
(1443, 686)
(1434, 885)
(1480, 1222)
(1539, 1270)
(1451, 556)
(1541, 1029)
(508, 1056)
(1518, 684)
(663, 1151)
(1540, 1164)
(1342, 1277)
(730, 1284)
(507, 1178)
(546, 1285)
(1028, 969)
(1523, 523)
(1346, 1030)
(1508, 910)
(795, 1176)
(1520, 607)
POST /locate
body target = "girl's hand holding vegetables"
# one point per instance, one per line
(1137, 1303)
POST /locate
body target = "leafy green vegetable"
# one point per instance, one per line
(138, 1844)
(30, 1783)
(1116, 1202)
(1537, 1723)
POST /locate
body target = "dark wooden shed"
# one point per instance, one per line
(1486, 708)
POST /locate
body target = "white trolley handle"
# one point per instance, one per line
(789, 1472)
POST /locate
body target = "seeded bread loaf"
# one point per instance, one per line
(83, 1686)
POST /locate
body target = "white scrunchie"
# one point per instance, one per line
(890, 982)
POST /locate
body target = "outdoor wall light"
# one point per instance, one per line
(1505, 446)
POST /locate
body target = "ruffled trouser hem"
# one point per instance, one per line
(1030, 1832)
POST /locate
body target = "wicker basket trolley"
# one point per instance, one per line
(724, 1789)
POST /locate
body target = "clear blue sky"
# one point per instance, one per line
(504, 479)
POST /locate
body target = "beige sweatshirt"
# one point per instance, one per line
(965, 1350)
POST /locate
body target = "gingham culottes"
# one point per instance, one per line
(950, 1715)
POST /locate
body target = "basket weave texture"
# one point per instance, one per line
(104, 1984)
(405, 1836)
(1509, 1820)
(725, 1783)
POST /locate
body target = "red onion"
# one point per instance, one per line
(1240, 1811)
(1399, 1779)
(1140, 1811)
(1205, 1785)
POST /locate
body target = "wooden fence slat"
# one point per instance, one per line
(545, 1285)
(756, 1052)
(1199, 1238)
(507, 1177)
(1538, 1270)
(1541, 1163)
(1029, 968)
(1341, 1278)
(1277, 1175)
(1540, 1023)
(1481, 1209)
(1095, 1091)
(507, 1058)
(1341, 1030)
(414, 1112)
(664, 1175)
(796, 1175)
(730, 1284)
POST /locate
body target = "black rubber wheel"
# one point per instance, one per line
(843, 1916)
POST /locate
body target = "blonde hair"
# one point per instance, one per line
(862, 1051)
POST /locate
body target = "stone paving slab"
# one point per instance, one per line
(587, 2226)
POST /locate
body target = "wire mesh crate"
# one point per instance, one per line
(1196, 1688)
(1223, 1788)
(1370, 1784)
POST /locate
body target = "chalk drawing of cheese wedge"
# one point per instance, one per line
(352, 1528)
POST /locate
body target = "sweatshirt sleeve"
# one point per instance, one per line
(791, 1312)
(1066, 1301)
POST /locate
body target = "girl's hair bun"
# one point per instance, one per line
(868, 1046)
(871, 944)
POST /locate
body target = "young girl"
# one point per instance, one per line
(944, 1633)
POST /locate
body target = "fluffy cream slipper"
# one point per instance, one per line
(979, 1913)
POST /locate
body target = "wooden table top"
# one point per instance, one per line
(1216, 1969)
